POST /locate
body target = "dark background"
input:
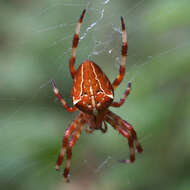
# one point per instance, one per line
(35, 46)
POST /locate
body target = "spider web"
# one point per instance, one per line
(36, 47)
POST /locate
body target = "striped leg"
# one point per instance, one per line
(75, 43)
(119, 78)
(67, 134)
(59, 96)
(122, 100)
(127, 127)
(117, 127)
(72, 142)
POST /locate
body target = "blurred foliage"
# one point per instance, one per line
(35, 46)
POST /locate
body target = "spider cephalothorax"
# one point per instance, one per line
(92, 94)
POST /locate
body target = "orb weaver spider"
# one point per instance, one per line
(92, 94)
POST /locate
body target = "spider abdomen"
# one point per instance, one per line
(92, 90)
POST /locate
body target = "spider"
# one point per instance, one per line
(92, 94)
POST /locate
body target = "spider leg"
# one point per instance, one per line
(122, 100)
(105, 127)
(75, 44)
(119, 78)
(130, 128)
(117, 127)
(59, 96)
(67, 134)
(127, 126)
(72, 142)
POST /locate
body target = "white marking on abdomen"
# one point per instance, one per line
(96, 77)
(92, 97)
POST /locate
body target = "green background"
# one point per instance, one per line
(35, 46)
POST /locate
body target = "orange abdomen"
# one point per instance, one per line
(92, 91)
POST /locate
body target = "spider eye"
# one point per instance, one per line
(98, 91)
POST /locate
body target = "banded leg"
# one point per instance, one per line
(59, 96)
(75, 44)
(67, 134)
(72, 142)
(115, 125)
(128, 127)
(122, 100)
(119, 78)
